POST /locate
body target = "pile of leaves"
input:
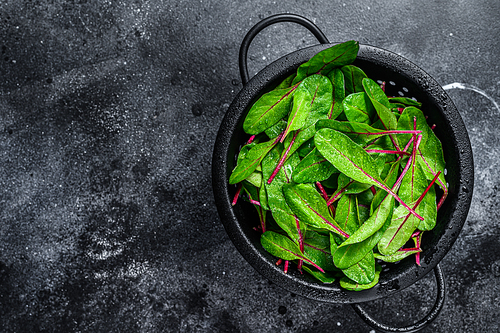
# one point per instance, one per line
(342, 176)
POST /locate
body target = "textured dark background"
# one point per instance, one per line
(108, 116)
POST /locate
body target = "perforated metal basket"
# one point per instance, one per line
(403, 78)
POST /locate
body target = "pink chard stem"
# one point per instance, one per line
(381, 151)
(336, 195)
(237, 194)
(283, 159)
(250, 140)
(322, 190)
(262, 219)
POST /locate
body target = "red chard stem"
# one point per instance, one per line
(279, 262)
(254, 202)
(283, 159)
(238, 190)
(336, 195)
(286, 267)
(410, 249)
(262, 219)
(322, 189)
(381, 151)
(250, 140)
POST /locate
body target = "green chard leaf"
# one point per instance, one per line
(399, 232)
(362, 272)
(275, 130)
(405, 101)
(284, 248)
(380, 103)
(320, 256)
(268, 110)
(323, 277)
(306, 148)
(348, 157)
(346, 214)
(349, 284)
(353, 79)
(430, 152)
(250, 161)
(255, 178)
(335, 56)
(310, 207)
(352, 160)
(281, 213)
(358, 108)
(314, 167)
(311, 102)
(337, 78)
(360, 133)
(398, 256)
(366, 237)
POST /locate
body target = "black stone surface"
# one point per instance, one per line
(108, 115)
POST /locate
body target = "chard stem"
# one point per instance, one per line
(335, 196)
(255, 202)
(322, 189)
(262, 219)
(279, 262)
(250, 140)
(381, 151)
(283, 159)
(410, 249)
(237, 194)
(286, 267)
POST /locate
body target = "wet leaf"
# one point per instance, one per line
(366, 237)
(268, 110)
(250, 161)
(380, 103)
(363, 272)
(314, 167)
(323, 277)
(335, 56)
(349, 284)
(358, 108)
(346, 214)
(309, 206)
(398, 256)
(353, 79)
(283, 247)
(348, 157)
(337, 78)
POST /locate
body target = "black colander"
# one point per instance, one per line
(402, 78)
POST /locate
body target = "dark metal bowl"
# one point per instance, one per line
(402, 78)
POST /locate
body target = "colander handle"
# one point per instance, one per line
(245, 44)
(418, 325)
